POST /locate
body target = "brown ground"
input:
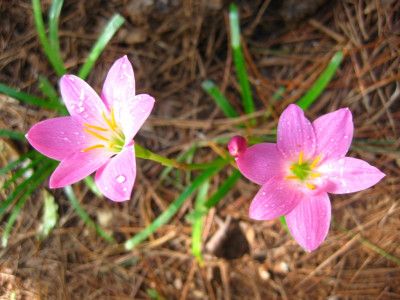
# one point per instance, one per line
(173, 46)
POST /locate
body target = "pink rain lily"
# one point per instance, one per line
(98, 134)
(297, 173)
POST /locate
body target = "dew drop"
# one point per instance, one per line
(82, 95)
(332, 140)
(61, 132)
(125, 189)
(346, 137)
(123, 66)
(76, 133)
(80, 109)
(72, 106)
(120, 179)
(71, 78)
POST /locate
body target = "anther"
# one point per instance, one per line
(291, 177)
(96, 134)
(108, 122)
(301, 158)
(310, 186)
(94, 127)
(113, 118)
(316, 161)
(93, 147)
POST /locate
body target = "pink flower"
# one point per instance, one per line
(297, 173)
(98, 134)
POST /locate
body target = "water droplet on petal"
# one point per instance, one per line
(346, 137)
(123, 66)
(124, 189)
(80, 109)
(120, 179)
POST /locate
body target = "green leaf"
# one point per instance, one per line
(52, 55)
(171, 210)
(23, 171)
(25, 97)
(197, 228)
(219, 98)
(20, 160)
(321, 83)
(238, 59)
(84, 216)
(50, 216)
(12, 134)
(92, 186)
(43, 170)
(223, 189)
(54, 16)
(113, 25)
(35, 180)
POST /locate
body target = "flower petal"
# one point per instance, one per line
(119, 85)
(116, 178)
(295, 134)
(309, 221)
(334, 132)
(260, 162)
(134, 114)
(58, 138)
(237, 146)
(276, 197)
(348, 175)
(77, 166)
(81, 100)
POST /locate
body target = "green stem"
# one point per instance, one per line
(147, 154)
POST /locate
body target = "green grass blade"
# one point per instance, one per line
(84, 216)
(20, 172)
(219, 98)
(15, 163)
(223, 189)
(113, 25)
(367, 243)
(238, 59)
(171, 210)
(45, 171)
(46, 87)
(25, 97)
(46, 168)
(322, 81)
(12, 134)
(92, 186)
(54, 16)
(198, 214)
(54, 60)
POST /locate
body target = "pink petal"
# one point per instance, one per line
(135, 114)
(260, 162)
(334, 132)
(77, 166)
(116, 178)
(309, 221)
(58, 138)
(295, 134)
(119, 85)
(81, 100)
(348, 175)
(276, 197)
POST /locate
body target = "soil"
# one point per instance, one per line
(173, 46)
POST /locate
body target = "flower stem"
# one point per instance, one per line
(147, 154)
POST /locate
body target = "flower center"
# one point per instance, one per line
(302, 171)
(110, 136)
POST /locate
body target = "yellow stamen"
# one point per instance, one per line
(111, 145)
(292, 168)
(94, 127)
(96, 134)
(301, 158)
(112, 118)
(291, 177)
(93, 147)
(316, 161)
(315, 175)
(310, 186)
(108, 122)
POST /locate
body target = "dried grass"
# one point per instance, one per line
(174, 47)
